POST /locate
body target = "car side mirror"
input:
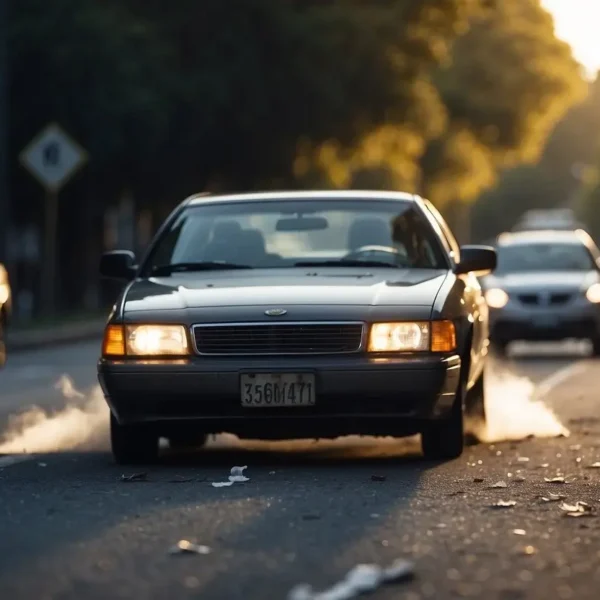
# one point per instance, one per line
(118, 264)
(476, 259)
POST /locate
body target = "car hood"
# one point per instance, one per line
(378, 287)
(547, 281)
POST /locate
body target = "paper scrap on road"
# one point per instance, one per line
(579, 509)
(553, 498)
(187, 547)
(499, 484)
(360, 580)
(134, 477)
(554, 480)
(504, 504)
(236, 476)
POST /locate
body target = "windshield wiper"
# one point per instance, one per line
(196, 266)
(346, 263)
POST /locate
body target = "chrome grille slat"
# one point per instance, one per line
(290, 338)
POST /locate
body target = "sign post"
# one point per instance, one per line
(52, 158)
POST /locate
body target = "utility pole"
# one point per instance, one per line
(5, 216)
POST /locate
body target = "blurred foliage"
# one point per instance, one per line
(556, 179)
(173, 97)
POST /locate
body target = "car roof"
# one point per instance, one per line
(545, 236)
(198, 199)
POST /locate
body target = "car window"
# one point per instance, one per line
(273, 233)
(447, 232)
(521, 258)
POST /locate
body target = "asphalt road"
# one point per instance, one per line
(70, 529)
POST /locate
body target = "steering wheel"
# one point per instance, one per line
(382, 253)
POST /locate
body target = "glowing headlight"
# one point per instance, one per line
(397, 337)
(496, 298)
(593, 293)
(156, 340)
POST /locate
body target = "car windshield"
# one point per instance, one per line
(296, 233)
(522, 258)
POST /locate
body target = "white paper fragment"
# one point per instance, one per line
(362, 579)
(554, 480)
(236, 476)
(522, 459)
(499, 484)
(596, 465)
(504, 504)
(186, 547)
(519, 532)
(553, 498)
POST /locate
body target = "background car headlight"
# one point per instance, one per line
(496, 298)
(145, 340)
(593, 293)
(398, 337)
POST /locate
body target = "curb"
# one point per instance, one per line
(17, 341)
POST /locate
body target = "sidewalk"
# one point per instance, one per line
(28, 338)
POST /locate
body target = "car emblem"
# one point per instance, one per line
(275, 312)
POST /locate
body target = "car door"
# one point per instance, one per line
(474, 297)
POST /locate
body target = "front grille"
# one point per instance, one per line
(544, 299)
(560, 298)
(279, 338)
(529, 299)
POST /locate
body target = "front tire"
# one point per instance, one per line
(132, 444)
(187, 441)
(445, 439)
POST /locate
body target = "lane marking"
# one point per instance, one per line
(14, 459)
(544, 387)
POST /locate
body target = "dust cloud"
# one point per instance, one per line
(515, 410)
(82, 423)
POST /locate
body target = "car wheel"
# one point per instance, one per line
(187, 441)
(132, 444)
(444, 439)
(2, 344)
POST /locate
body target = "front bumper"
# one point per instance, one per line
(580, 320)
(360, 395)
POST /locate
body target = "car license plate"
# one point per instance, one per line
(263, 390)
(545, 321)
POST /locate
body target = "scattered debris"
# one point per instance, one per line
(478, 480)
(42, 464)
(181, 479)
(504, 504)
(579, 509)
(519, 532)
(271, 472)
(360, 580)
(529, 550)
(554, 480)
(544, 466)
(522, 459)
(134, 477)
(378, 477)
(596, 465)
(553, 498)
(519, 479)
(499, 484)
(186, 547)
(457, 493)
(236, 476)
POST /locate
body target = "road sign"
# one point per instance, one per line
(53, 157)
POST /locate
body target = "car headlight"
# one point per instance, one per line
(437, 336)
(593, 293)
(145, 340)
(496, 298)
